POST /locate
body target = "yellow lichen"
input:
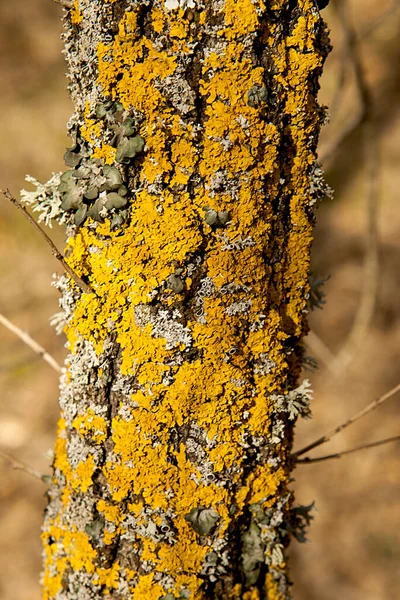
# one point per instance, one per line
(108, 577)
(79, 478)
(91, 424)
(78, 553)
(82, 475)
(76, 13)
(241, 18)
(219, 388)
(147, 588)
(110, 511)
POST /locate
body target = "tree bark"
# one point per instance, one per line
(189, 204)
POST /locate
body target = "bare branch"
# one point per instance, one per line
(389, 12)
(369, 408)
(308, 459)
(26, 338)
(65, 3)
(20, 466)
(54, 250)
(365, 309)
(353, 57)
(366, 306)
(320, 350)
(358, 119)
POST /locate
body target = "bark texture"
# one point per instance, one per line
(193, 181)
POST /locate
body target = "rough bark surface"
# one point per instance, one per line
(172, 462)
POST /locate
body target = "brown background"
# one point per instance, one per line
(354, 542)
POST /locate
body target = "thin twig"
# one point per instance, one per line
(26, 338)
(369, 408)
(308, 459)
(54, 250)
(65, 3)
(20, 466)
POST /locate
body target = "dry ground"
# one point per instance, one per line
(354, 543)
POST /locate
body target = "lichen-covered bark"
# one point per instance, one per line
(172, 462)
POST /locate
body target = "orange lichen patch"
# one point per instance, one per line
(51, 583)
(263, 483)
(66, 495)
(146, 588)
(79, 552)
(79, 478)
(82, 475)
(147, 64)
(158, 19)
(126, 50)
(183, 156)
(106, 153)
(134, 443)
(111, 512)
(127, 271)
(181, 558)
(109, 536)
(108, 577)
(52, 579)
(91, 424)
(226, 94)
(61, 459)
(119, 479)
(75, 13)
(93, 128)
(79, 549)
(241, 18)
(135, 508)
(273, 588)
(251, 595)
(180, 28)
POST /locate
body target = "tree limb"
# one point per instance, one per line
(54, 250)
(369, 408)
(26, 338)
(65, 3)
(18, 465)
(308, 459)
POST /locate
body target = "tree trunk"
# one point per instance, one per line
(189, 202)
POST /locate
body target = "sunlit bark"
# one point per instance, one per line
(193, 182)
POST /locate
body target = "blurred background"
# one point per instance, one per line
(353, 550)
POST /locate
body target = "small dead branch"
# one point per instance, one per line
(26, 338)
(54, 250)
(20, 466)
(308, 459)
(369, 408)
(65, 3)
